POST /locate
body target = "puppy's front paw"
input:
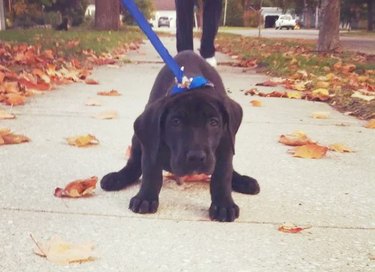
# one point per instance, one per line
(141, 205)
(112, 182)
(224, 213)
(245, 185)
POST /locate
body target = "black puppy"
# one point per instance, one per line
(186, 133)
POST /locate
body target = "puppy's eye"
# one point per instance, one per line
(213, 122)
(176, 122)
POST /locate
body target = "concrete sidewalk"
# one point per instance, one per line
(334, 195)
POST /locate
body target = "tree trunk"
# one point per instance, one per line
(2, 15)
(370, 15)
(107, 14)
(329, 26)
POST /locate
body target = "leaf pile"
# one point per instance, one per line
(345, 80)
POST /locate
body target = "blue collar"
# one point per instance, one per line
(190, 84)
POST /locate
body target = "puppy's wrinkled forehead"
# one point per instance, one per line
(192, 109)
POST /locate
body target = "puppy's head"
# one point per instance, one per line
(192, 126)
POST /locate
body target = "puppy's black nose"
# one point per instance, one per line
(196, 156)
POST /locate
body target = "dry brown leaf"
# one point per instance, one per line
(93, 102)
(78, 188)
(370, 124)
(109, 93)
(310, 151)
(188, 178)
(291, 228)
(6, 115)
(58, 251)
(340, 148)
(83, 140)
(320, 115)
(106, 115)
(91, 81)
(7, 137)
(256, 103)
(296, 138)
(268, 83)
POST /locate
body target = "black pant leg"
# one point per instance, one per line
(211, 19)
(184, 24)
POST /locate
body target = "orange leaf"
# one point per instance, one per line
(83, 140)
(14, 99)
(90, 81)
(370, 124)
(78, 188)
(7, 137)
(256, 103)
(296, 138)
(109, 93)
(310, 151)
(291, 228)
(188, 178)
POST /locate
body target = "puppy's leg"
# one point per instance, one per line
(223, 207)
(129, 174)
(147, 199)
(244, 184)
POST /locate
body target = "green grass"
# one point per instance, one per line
(72, 42)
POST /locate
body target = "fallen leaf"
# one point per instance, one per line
(320, 115)
(109, 93)
(310, 151)
(296, 138)
(188, 178)
(7, 137)
(339, 148)
(256, 103)
(93, 102)
(6, 115)
(370, 124)
(78, 188)
(362, 96)
(107, 115)
(58, 251)
(291, 228)
(14, 99)
(322, 84)
(83, 140)
(267, 83)
(321, 94)
(91, 81)
(294, 95)
(128, 152)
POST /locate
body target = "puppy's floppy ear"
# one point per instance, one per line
(147, 127)
(232, 118)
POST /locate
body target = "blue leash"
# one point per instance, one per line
(183, 83)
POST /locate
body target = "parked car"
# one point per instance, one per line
(285, 21)
(163, 21)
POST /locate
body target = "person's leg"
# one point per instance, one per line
(211, 19)
(184, 24)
